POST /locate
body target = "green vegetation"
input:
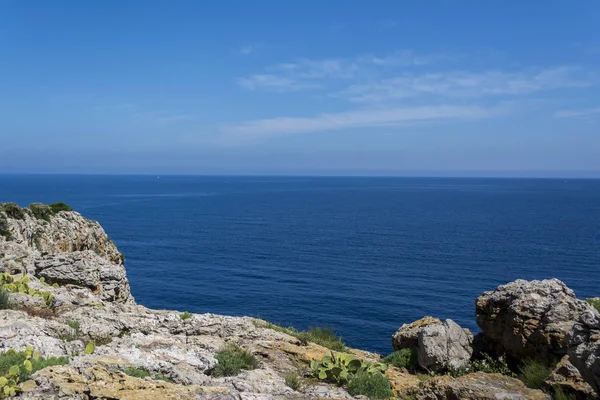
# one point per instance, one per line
(533, 373)
(137, 372)
(405, 358)
(41, 211)
(90, 348)
(74, 333)
(595, 303)
(324, 336)
(487, 364)
(12, 210)
(293, 381)
(4, 228)
(340, 368)
(122, 256)
(60, 206)
(16, 367)
(186, 315)
(21, 285)
(232, 359)
(4, 299)
(559, 394)
(374, 386)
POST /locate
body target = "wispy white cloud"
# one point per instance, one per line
(583, 113)
(357, 119)
(246, 49)
(468, 84)
(313, 73)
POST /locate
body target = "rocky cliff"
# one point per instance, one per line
(67, 311)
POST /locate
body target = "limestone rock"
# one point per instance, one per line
(584, 347)
(443, 346)
(408, 334)
(529, 319)
(480, 386)
(567, 377)
(86, 269)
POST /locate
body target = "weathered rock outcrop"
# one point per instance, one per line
(566, 376)
(444, 346)
(408, 335)
(480, 386)
(529, 319)
(584, 347)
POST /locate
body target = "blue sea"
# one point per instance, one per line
(360, 255)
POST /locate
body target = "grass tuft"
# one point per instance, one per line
(293, 381)
(595, 303)
(533, 373)
(4, 299)
(136, 372)
(186, 315)
(324, 336)
(404, 358)
(374, 386)
(232, 360)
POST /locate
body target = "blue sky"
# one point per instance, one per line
(506, 88)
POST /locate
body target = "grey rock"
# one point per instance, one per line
(408, 334)
(529, 319)
(443, 346)
(584, 347)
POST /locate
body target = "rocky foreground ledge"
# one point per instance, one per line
(70, 329)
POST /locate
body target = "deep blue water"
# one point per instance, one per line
(361, 255)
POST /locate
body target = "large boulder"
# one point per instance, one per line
(480, 386)
(584, 347)
(444, 346)
(408, 335)
(529, 319)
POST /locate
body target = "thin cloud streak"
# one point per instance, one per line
(589, 112)
(467, 84)
(356, 119)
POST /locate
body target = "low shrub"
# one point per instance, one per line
(487, 364)
(60, 206)
(4, 299)
(186, 315)
(595, 303)
(293, 381)
(404, 358)
(136, 372)
(232, 360)
(41, 211)
(325, 337)
(4, 228)
(374, 386)
(17, 367)
(533, 373)
(559, 394)
(90, 348)
(13, 210)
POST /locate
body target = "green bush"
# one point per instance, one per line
(374, 386)
(90, 348)
(4, 299)
(293, 381)
(325, 337)
(12, 210)
(487, 364)
(186, 315)
(232, 359)
(405, 358)
(17, 367)
(533, 373)
(41, 211)
(595, 303)
(4, 228)
(60, 206)
(137, 372)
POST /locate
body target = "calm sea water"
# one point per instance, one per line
(361, 255)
